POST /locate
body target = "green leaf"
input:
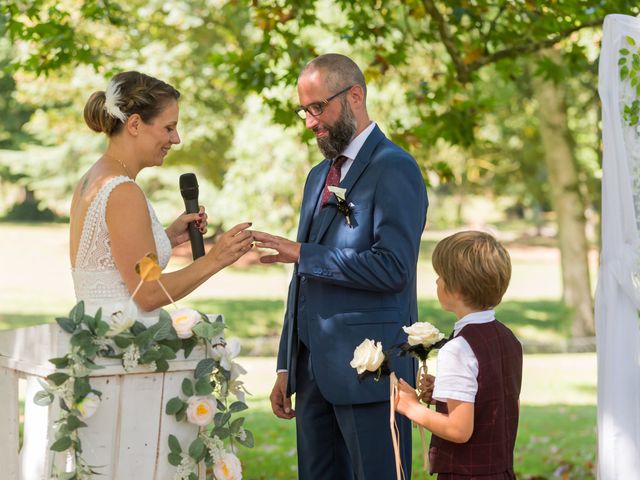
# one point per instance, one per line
(77, 312)
(237, 407)
(73, 423)
(61, 444)
(624, 71)
(203, 386)
(222, 432)
(174, 405)
(167, 352)
(163, 330)
(58, 378)
(102, 328)
(149, 356)
(66, 324)
(122, 340)
(220, 419)
(187, 387)
(236, 424)
(197, 450)
(630, 40)
(248, 440)
(622, 60)
(188, 345)
(90, 322)
(623, 51)
(82, 339)
(138, 328)
(174, 444)
(162, 365)
(43, 398)
(81, 387)
(143, 338)
(193, 476)
(174, 459)
(204, 368)
(60, 362)
(208, 330)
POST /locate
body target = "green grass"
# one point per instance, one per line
(550, 438)
(536, 320)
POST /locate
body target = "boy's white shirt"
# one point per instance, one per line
(457, 374)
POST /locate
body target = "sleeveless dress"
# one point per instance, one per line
(96, 279)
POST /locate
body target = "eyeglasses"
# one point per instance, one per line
(316, 109)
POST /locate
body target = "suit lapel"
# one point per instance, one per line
(316, 184)
(359, 165)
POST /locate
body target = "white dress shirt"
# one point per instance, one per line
(353, 149)
(457, 375)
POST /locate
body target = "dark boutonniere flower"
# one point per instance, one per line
(342, 205)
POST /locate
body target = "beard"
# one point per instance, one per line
(339, 134)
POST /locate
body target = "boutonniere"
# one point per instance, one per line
(343, 207)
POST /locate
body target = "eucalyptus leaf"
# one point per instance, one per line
(60, 362)
(203, 386)
(248, 439)
(123, 341)
(187, 387)
(58, 378)
(220, 419)
(174, 444)
(77, 312)
(66, 324)
(204, 368)
(73, 423)
(197, 450)
(162, 365)
(236, 424)
(237, 407)
(43, 398)
(61, 444)
(102, 328)
(174, 405)
(174, 459)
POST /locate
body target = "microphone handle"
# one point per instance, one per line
(197, 243)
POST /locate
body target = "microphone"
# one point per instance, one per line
(189, 192)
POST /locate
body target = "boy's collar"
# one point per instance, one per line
(483, 316)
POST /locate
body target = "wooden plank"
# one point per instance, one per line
(183, 431)
(35, 457)
(141, 404)
(9, 423)
(99, 437)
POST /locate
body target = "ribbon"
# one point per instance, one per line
(422, 373)
(395, 433)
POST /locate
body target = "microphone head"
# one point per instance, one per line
(189, 186)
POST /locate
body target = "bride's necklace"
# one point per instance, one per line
(122, 164)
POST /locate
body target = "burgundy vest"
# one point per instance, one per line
(495, 423)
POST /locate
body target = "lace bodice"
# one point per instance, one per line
(95, 277)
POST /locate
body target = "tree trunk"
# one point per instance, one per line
(567, 203)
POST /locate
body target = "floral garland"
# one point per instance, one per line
(206, 393)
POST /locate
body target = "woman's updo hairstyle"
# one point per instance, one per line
(126, 94)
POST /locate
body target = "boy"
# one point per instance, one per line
(479, 370)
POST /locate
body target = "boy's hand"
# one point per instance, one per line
(406, 397)
(426, 388)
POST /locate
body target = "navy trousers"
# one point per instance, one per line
(344, 442)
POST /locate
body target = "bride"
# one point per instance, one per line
(113, 225)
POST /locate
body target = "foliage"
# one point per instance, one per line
(91, 337)
(629, 64)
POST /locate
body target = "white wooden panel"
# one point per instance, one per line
(100, 434)
(184, 431)
(9, 422)
(141, 401)
(35, 457)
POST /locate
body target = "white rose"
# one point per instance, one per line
(184, 319)
(226, 354)
(367, 356)
(88, 405)
(200, 410)
(423, 333)
(122, 321)
(227, 467)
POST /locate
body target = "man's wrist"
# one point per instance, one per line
(282, 370)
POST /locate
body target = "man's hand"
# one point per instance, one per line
(280, 403)
(288, 251)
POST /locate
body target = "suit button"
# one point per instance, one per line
(303, 279)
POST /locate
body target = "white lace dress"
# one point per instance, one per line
(96, 279)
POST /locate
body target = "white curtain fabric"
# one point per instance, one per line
(618, 293)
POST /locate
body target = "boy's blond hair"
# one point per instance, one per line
(475, 265)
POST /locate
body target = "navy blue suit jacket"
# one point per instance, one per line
(359, 281)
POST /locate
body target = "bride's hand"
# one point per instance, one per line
(232, 244)
(178, 231)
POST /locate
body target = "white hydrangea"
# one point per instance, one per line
(131, 357)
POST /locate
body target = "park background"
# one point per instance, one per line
(497, 101)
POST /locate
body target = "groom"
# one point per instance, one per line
(354, 278)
